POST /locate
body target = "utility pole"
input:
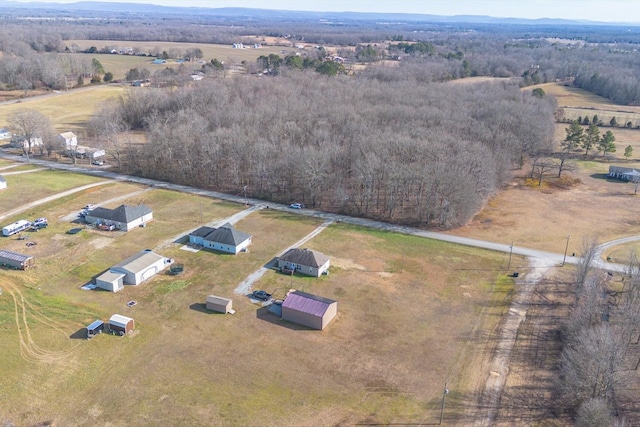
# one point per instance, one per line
(444, 396)
(565, 251)
(510, 253)
(245, 195)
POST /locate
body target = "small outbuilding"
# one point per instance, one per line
(5, 134)
(304, 261)
(625, 174)
(309, 310)
(224, 239)
(95, 328)
(219, 304)
(3, 183)
(110, 281)
(121, 325)
(15, 260)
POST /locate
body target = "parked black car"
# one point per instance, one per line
(261, 295)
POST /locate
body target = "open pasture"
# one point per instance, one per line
(67, 111)
(383, 359)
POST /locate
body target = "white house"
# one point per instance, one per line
(225, 238)
(305, 261)
(122, 218)
(139, 267)
(68, 141)
(3, 183)
(18, 141)
(5, 134)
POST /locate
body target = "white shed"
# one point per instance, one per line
(219, 304)
(110, 281)
(140, 267)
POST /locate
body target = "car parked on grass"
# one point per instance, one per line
(296, 206)
(261, 295)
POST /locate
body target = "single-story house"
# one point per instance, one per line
(626, 174)
(224, 238)
(305, 261)
(309, 310)
(68, 141)
(121, 325)
(5, 134)
(139, 267)
(18, 141)
(123, 217)
(16, 260)
(219, 304)
(3, 183)
(110, 281)
(95, 328)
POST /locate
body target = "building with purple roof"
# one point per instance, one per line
(309, 310)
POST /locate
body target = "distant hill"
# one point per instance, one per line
(268, 14)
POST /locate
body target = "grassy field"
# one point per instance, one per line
(383, 359)
(68, 111)
(120, 64)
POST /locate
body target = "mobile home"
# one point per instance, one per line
(16, 227)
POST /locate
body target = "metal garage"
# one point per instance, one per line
(309, 310)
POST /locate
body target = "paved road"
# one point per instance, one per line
(555, 259)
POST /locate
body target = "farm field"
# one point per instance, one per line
(67, 111)
(120, 64)
(186, 366)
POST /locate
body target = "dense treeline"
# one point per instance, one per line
(401, 151)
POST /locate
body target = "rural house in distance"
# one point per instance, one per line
(305, 261)
(625, 174)
(68, 141)
(224, 239)
(123, 217)
(309, 310)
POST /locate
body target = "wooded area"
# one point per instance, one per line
(406, 152)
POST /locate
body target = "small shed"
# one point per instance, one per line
(95, 328)
(16, 260)
(3, 183)
(219, 304)
(309, 310)
(110, 281)
(120, 324)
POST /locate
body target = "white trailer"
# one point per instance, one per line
(16, 227)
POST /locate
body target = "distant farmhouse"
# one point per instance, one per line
(122, 218)
(309, 310)
(132, 271)
(18, 141)
(625, 174)
(68, 141)
(224, 238)
(305, 261)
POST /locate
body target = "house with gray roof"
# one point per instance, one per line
(122, 218)
(224, 239)
(625, 174)
(309, 310)
(304, 261)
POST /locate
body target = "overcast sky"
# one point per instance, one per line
(595, 10)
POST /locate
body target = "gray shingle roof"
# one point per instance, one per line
(122, 213)
(225, 234)
(307, 303)
(307, 257)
